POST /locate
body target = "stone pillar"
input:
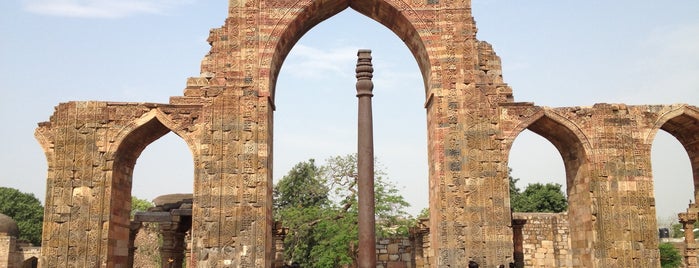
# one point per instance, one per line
(173, 247)
(518, 241)
(365, 162)
(687, 220)
(133, 232)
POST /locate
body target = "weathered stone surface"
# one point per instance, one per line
(546, 239)
(225, 117)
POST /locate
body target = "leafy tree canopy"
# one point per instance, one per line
(670, 257)
(303, 186)
(537, 197)
(26, 210)
(319, 206)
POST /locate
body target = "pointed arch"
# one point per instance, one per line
(682, 122)
(566, 136)
(314, 12)
(155, 123)
(672, 120)
(127, 146)
(575, 148)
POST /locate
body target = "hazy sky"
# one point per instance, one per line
(554, 53)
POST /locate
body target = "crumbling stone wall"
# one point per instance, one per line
(9, 250)
(546, 239)
(420, 239)
(226, 117)
(15, 253)
(394, 253)
(91, 148)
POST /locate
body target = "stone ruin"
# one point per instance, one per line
(225, 116)
(173, 217)
(15, 253)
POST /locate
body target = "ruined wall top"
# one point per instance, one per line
(248, 51)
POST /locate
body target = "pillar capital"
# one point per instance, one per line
(365, 72)
(687, 218)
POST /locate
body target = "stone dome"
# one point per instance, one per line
(8, 226)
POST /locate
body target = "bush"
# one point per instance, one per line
(670, 257)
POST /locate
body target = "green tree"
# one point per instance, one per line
(538, 197)
(300, 200)
(303, 186)
(26, 210)
(139, 205)
(319, 206)
(670, 257)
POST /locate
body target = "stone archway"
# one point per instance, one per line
(574, 149)
(226, 118)
(683, 124)
(136, 138)
(462, 84)
(91, 149)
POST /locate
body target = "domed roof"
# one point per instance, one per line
(8, 226)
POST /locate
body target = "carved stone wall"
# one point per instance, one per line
(226, 118)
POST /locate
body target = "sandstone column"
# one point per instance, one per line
(687, 220)
(173, 247)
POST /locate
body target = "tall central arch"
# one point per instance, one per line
(470, 215)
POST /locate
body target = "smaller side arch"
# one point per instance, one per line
(163, 125)
(565, 135)
(682, 123)
(674, 116)
(123, 151)
(575, 148)
(666, 115)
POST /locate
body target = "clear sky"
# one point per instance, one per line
(554, 53)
